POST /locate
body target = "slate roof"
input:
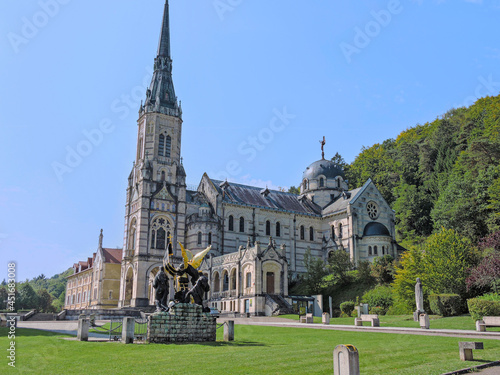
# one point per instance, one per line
(258, 197)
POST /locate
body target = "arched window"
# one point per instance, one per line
(375, 250)
(338, 183)
(383, 250)
(369, 250)
(209, 238)
(231, 223)
(225, 281)
(168, 146)
(304, 183)
(242, 224)
(199, 238)
(278, 229)
(131, 240)
(333, 232)
(249, 280)
(311, 234)
(139, 149)
(321, 182)
(268, 228)
(340, 231)
(160, 233)
(302, 232)
(162, 175)
(161, 145)
(216, 285)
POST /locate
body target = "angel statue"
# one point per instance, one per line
(189, 268)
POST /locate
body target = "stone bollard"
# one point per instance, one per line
(326, 318)
(345, 360)
(466, 349)
(83, 329)
(424, 321)
(128, 328)
(229, 330)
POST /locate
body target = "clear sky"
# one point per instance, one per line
(261, 82)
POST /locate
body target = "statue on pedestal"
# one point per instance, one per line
(161, 286)
(419, 299)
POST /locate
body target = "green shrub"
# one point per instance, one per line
(445, 304)
(347, 307)
(490, 297)
(378, 310)
(399, 309)
(380, 296)
(480, 307)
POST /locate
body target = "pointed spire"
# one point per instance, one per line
(164, 44)
(100, 240)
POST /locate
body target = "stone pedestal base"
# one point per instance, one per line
(183, 323)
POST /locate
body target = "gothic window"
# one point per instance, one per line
(161, 145)
(242, 224)
(311, 234)
(139, 149)
(340, 231)
(268, 228)
(338, 183)
(383, 250)
(372, 210)
(225, 282)
(162, 175)
(199, 238)
(278, 229)
(216, 285)
(209, 238)
(131, 243)
(321, 182)
(249, 280)
(333, 232)
(160, 233)
(168, 146)
(369, 250)
(231, 223)
(302, 232)
(375, 250)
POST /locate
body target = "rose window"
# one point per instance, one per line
(372, 210)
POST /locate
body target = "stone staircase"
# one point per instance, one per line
(278, 304)
(40, 317)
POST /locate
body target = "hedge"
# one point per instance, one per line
(479, 308)
(347, 307)
(445, 304)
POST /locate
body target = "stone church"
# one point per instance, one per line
(258, 236)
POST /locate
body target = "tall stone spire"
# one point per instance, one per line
(160, 97)
(164, 44)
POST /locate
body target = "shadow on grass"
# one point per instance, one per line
(216, 344)
(30, 332)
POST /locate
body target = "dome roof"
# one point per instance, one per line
(323, 167)
(375, 229)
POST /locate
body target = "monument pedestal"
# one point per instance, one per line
(183, 323)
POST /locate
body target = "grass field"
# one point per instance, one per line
(463, 322)
(257, 350)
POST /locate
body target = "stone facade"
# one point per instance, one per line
(183, 323)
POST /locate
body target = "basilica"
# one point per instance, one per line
(258, 236)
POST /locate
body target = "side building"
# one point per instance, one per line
(95, 282)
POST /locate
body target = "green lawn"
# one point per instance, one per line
(436, 322)
(257, 350)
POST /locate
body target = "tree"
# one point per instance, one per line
(486, 274)
(315, 271)
(447, 259)
(383, 269)
(44, 301)
(294, 190)
(3, 298)
(28, 299)
(410, 267)
(339, 263)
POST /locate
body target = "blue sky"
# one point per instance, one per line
(357, 72)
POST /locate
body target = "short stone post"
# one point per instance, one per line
(424, 321)
(229, 330)
(480, 326)
(326, 318)
(345, 360)
(466, 349)
(128, 329)
(83, 329)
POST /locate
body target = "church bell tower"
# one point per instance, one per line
(156, 192)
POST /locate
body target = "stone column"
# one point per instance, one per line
(128, 328)
(229, 330)
(345, 360)
(83, 329)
